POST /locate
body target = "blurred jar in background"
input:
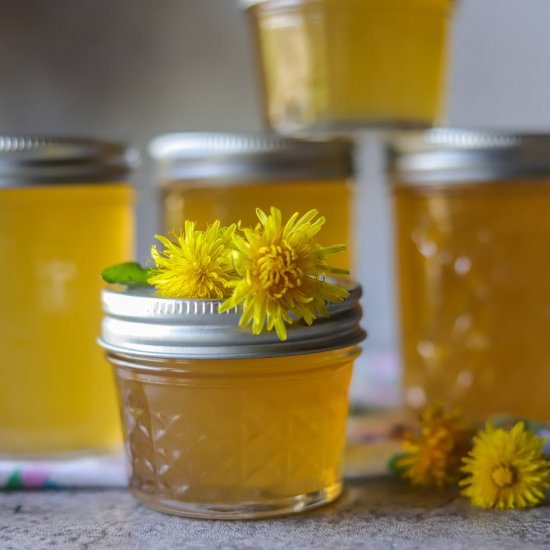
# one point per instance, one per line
(208, 176)
(472, 215)
(341, 64)
(65, 214)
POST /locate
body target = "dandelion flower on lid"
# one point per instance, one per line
(282, 272)
(197, 264)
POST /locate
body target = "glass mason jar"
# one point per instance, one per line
(65, 214)
(472, 229)
(221, 423)
(206, 176)
(343, 64)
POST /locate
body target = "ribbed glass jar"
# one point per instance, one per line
(472, 232)
(65, 213)
(332, 65)
(220, 423)
(206, 176)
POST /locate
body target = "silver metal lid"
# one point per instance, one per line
(249, 157)
(33, 160)
(139, 323)
(445, 155)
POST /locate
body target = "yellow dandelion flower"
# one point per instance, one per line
(506, 469)
(196, 265)
(282, 272)
(432, 455)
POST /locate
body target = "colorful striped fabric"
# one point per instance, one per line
(97, 471)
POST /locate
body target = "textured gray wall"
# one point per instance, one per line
(131, 69)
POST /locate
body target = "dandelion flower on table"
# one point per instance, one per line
(506, 469)
(282, 271)
(432, 454)
(196, 265)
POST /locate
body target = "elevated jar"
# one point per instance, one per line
(226, 176)
(65, 213)
(333, 65)
(220, 423)
(472, 232)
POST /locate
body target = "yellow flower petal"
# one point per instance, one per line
(432, 453)
(197, 265)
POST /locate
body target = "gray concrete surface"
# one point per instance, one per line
(374, 514)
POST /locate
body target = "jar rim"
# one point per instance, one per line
(231, 156)
(460, 155)
(32, 160)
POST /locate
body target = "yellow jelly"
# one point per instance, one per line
(236, 435)
(475, 297)
(203, 203)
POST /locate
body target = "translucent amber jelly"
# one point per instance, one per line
(244, 427)
(236, 438)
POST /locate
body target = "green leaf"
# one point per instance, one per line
(15, 481)
(128, 273)
(392, 464)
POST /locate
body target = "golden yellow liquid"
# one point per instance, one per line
(344, 63)
(56, 390)
(475, 296)
(230, 203)
(257, 436)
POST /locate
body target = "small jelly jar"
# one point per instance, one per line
(341, 64)
(221, 423)
(472, 212)
(226, 176)
(65, 213)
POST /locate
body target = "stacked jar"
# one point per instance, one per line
(337, 65)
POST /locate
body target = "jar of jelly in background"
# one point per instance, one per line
(65, 213)
(206, 176)
(224, 424)
(472, 215)
(331, 65)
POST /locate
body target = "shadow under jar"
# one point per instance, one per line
(226, 176)
(65, 213)
(331, 65)
(472, 214)
(221, 423)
